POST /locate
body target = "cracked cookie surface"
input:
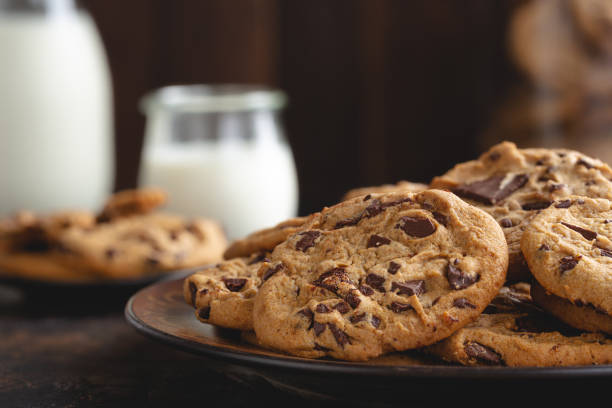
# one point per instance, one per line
(380, 273)
(513, 184)
(568, 248)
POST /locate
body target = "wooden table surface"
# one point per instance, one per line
(68, 351)
(65, 350)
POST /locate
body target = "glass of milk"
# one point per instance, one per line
(219, 151)
(56, 128)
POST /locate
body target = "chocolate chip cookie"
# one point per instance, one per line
(146, 244)
(224, 294)
(380, 273)
(126, 240)
(581, 316)
(407, 186)
(513, 184)
(265, 239)
(568, 248)
(518, 339)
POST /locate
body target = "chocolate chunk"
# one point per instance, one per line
(489, 191)
(271, 271)
(544, 247)
(174, 234)
(539, 162)
(110, 253)
(459, 279)
(307, 313)
(393, 268)
(590, 182)
(353, 298)
(204, 312)
(366, 290)
(194, 230)
(561, 155)
(376, 240)
(307, 241)
(373, 209)
(375, 321)
(536, 205)
(399, 307)
(587, 234)
(234, 284)
(564, 204)
(319, 347)
(261, 257)
(506, 222)
(152, 260)
(584, 163)
(341, 337)
(409, 288)
(494, 156)
(366, 198)
(322, 308)
(441, 218)
(482, 353)
(203, 291)
(416, 226)
(343, 307)
(567, 263)
(318, 328)
(356, 318)
(462, 303)
(605, 252)
(193, 290)
(332, 278)
(580, 201)
(376, 281)
(348, 222)
(556, 186)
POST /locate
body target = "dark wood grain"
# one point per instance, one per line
(379, 90)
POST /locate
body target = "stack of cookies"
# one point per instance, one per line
(402, 267)
(128, 239)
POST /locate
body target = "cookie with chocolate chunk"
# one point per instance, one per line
(580, 315)
(407, 186)
(519, 339)
(514, 184)
(127, 242)
(142, 245)
(568, 248)
(265, 239)
(224, 294)
(394, 271)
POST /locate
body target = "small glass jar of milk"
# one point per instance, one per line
(56, 127)
(220, 152)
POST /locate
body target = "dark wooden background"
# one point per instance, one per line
(380, 90)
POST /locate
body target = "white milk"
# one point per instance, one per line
(245, 185)
(55, 113)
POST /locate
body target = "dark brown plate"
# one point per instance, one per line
(160, 312)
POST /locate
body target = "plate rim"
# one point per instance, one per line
(352, 368)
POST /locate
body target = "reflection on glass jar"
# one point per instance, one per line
(219, 151)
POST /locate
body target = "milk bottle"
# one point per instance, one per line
(220, 152)
(56, 148)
